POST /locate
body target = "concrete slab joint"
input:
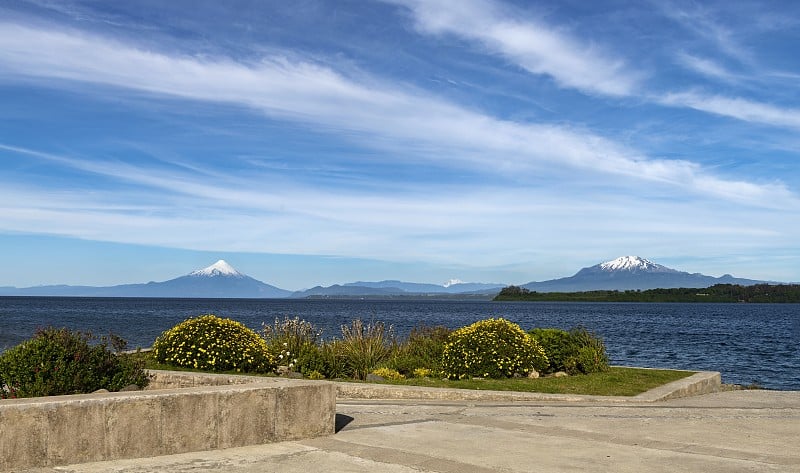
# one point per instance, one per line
(180, 412)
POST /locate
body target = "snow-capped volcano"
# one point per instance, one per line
(630, 273)
(220, 280)
(220, 268)
(632, 263)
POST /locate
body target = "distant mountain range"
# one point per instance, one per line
(400, 288)
(221, 280)
(633, 272)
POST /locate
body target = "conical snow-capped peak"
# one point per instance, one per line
(630, 263)
(220, 268)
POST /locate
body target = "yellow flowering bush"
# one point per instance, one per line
(212, 343)
(388, 373)
(492, 348)
(422, 372)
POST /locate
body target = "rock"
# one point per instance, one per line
(100, 391)
(282, 370)
(375, 378)
(560, 374)
(533, 374)
(130, 387)
(294, 375)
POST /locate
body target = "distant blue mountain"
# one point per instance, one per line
(400, 288)
(631, 273)
(220, 280)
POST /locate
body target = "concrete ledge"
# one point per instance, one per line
(703, 382)
(180, 412)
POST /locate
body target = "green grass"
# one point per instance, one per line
(618, 381)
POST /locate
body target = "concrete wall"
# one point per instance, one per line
(203, 412)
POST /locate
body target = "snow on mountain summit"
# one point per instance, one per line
(220, 268)
(630, 263)
(453, 282)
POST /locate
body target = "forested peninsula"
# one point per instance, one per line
(760, 293)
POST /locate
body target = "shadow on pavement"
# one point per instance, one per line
(342, 421)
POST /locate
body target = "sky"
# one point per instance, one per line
(320, 142)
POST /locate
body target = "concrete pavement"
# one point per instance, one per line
(722, 432)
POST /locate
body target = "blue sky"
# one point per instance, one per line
(321, 142)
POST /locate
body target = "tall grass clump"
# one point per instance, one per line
(61, 361)
(295, 343)
(364, 346)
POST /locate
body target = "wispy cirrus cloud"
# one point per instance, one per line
(369, 111)
(183, 209)
(738, 108)
(578, 64)
(703, 22)
(706, 67)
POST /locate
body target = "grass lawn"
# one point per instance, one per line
(618, 381)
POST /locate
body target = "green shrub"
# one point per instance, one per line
(492, 348)
(558, 345)
(422, 348)
(578, 351)
(212, 343)
(60, 361)
(364, 346)
(590, 356)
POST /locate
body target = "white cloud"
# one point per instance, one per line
(535, 47)
(437, 226)
(195, 208)
(370, 112)
(735, 107)
(706, 67)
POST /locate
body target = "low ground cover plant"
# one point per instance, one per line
(61, 361)
(388, 373)
(212, 343)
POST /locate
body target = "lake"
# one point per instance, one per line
(748, 343)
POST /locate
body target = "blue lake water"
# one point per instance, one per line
(748, 343)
